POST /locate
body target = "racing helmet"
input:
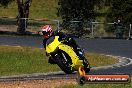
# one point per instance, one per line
(47, 31)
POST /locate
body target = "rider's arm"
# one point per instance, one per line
(44, 43)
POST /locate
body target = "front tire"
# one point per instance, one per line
(64, 62)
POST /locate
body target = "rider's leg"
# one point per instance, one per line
(76, 47)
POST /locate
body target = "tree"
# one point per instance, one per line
(23, 9)
(23, 13)
(120, 9)
(76, 10)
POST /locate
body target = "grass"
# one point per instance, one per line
(39, 9)
(26, 60)
(19, 60)
(46, 9)
(42, 9)
(99, 86)
(100, 60)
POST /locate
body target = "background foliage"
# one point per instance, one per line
(5, 2)
(120, 9)
(83, 10)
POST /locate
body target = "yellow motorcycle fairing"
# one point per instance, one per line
(69, 50)
(76, 63)
(53, 45)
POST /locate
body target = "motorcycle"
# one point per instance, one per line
(61, 50)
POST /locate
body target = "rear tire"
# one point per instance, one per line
(64, 62)
(86, 65)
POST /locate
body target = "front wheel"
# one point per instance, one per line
(64, 62)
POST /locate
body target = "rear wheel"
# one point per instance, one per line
(86, 65)
(64, 62)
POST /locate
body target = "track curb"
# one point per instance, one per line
(123, 61)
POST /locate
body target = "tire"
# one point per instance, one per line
(85, 61)
(86, 65)
(64, 62)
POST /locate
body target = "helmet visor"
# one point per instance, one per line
(46, 34)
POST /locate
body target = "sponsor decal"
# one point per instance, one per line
(104, 79)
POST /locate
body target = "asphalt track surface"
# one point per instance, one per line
(115, 47)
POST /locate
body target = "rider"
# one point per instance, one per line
(48, 33)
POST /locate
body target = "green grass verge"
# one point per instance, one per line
(26, 60)
(99, 86)
(39, 9)
(100, 60)
(19, 60)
